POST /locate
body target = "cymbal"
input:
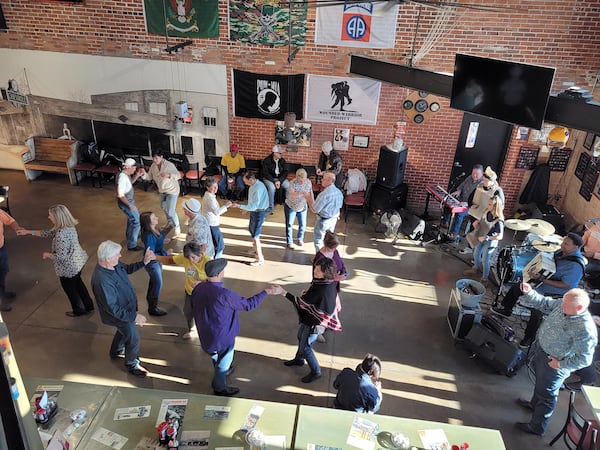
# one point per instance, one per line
(545, 246)
(517, 225)
(540, 227)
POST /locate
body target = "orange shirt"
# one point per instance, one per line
(5, 219)
(591, 240)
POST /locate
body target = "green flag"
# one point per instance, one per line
(183, 18)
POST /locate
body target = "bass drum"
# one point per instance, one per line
(512, 261)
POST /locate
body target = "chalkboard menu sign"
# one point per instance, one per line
(584, 160)
(589, 182)
(559, 159)
(527, 157)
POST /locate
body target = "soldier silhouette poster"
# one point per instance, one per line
(342, 99)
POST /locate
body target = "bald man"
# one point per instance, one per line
(565, 342)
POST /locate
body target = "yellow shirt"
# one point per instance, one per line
(193, 272)
(234, 165)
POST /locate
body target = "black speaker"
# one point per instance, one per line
(391, 166)
(383, 199)
(495, 351)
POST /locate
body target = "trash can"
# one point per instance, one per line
(471, 292)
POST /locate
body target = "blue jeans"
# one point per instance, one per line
(458, 220)
(132, 231)
(285, 184)
(219, 243)
(154, 269)
(168, 202)
(307, 335)
(257, 219)
(482, 254)
(239, 183)
(545, 393)
(290, 217)
(127, 338)
(221, 362)
(321, 226)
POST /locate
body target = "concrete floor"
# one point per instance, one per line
(394, 305)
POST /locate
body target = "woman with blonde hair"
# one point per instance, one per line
(68, 256)
(296, 206)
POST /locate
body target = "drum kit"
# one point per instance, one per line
(512, 260)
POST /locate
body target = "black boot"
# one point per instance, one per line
(153, 308)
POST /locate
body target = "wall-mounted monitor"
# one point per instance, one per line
(512, 92)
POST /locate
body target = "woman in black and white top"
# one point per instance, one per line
(68, 256)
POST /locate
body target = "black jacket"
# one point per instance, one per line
(268, 169)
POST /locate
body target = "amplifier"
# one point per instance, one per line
(461, 319)
(550, 214)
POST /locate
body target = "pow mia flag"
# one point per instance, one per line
(267, 96)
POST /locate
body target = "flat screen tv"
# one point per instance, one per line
(512, 92)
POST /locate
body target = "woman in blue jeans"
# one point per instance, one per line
(489, 230)
(316, 307)
(154, 239)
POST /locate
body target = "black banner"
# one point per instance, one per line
(268, 96)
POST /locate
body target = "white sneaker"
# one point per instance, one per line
(177, 231)
(186, 336)
(257, 262)
(466, 251)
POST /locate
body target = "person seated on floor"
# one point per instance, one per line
(275, 174)
(360, 389)
(489, 230)
(463, 194)
(488, 188)
(569, 271)
(591, 250)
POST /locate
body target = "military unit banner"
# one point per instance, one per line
(267, 96)
(183, 18)
(267, 22)
(366, 25)
(342, 99)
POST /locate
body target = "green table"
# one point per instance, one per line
(592, 395)
(331, 427)
(72, 396)
(277, 419)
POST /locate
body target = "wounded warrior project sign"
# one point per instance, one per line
(342, 99)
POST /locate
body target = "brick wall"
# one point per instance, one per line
(564, 34)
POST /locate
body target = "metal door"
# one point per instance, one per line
(481, 141)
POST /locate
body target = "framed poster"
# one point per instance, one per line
(582, 164)
(299, 136)
(341, 138)
(360, 141)
(559, 159)
(527, 157)
(589, 141)
(588, 184)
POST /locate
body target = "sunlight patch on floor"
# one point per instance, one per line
(422, 398)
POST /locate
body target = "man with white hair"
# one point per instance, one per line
(327, 208)
(330, 161)
(275, 175)
(117, 303)
(565, 342)
(198, 228)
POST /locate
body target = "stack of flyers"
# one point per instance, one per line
(363, 433)
(434, 439)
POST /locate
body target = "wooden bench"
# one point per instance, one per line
(50, 155)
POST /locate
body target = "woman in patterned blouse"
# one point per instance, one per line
(68, 256)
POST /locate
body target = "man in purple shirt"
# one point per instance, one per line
(216, 314)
